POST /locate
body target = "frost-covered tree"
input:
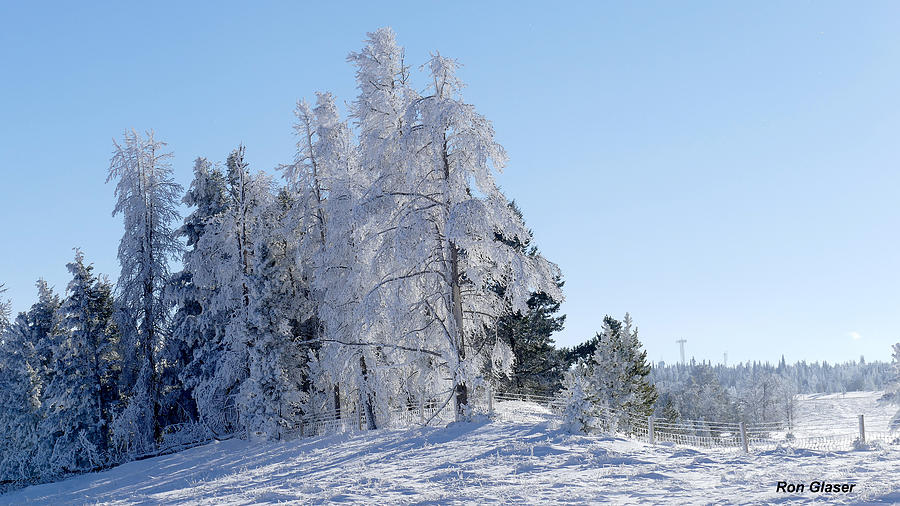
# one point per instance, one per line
(892, 392)
(362, 205)
(273, 394)
(29, 347)
(438, 262)
(194, 346)
(5, 310)
(616, 377)
(767, 397)
(322, 178)
(232, 236)
(147, 198)
(579, 411)
(203, 308)
(78, 401)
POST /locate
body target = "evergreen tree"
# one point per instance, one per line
(5, 310)
(29, 347)
(579, 410)
(194, 346)
(272, 395)
(79, 399)
(147, 197)
(616, 378)
(538, 366)
(892, 393)
(203, 305)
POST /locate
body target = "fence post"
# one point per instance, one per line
(744, 438)
(490, 393)
(862, 430)
(650, 430)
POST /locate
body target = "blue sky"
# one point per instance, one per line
(725, 172)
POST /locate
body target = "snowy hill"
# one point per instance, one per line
(520, 457)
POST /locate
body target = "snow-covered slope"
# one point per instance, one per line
(520, 458)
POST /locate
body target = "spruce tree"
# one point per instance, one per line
(616, 378)
(28, 352)
(203, 307)
(79, 400)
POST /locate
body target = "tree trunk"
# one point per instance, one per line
(462, 390)
(366, 396)
(337, 401)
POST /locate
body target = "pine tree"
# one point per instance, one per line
(644, 394)
(579, 410)
(194, 345)
(538, 366)
(147, 197)
(616, 379)
(78, 401)
(29, 347)
(203, 306)
(272, 396)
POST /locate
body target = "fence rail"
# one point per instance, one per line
(716, 434)
(686, 432)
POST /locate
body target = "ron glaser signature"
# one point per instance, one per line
(816, 487)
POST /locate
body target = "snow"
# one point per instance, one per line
(520, 456)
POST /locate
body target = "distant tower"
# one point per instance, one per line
(681, 342)
(725, 361)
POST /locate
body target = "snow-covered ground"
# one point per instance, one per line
(820, 414)
(522, 457)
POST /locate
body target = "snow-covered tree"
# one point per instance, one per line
(438, 261)
(579, 410)
(322, 179)
(273, 394)
(361, 206)
(203, 307)
(29, 347)
(5, 310)
(79, 399)
(616, 377)
(892, 392)
(147, 197)
(194, 347)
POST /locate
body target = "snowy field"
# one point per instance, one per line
(521, 457)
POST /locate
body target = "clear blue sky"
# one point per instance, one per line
(727, 172)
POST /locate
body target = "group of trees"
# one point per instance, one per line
(59, 379)
(755, 392)
(387, 270)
